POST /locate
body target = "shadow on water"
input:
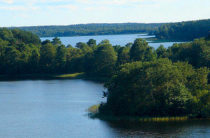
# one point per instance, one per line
(191, 128)
(56, 108)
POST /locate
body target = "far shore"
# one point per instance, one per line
(156, 40)
(38, 76)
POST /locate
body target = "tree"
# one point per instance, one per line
(104, 42)
(84, 47)
(161, 52)
(33, 62)
(46, 42)
(73, 60)
(47, 57)
(21, 36)
(140, 51)
(156, 88)
(56, 41)
(12, 60)
(91, 42)
(184, 31)
(60, 58)
(104, 60)
(123, 55)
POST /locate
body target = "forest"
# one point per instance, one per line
(184, 31)
(140, 80)
(91, 29)
(179, 31)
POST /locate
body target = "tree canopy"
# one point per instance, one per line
(157, 88)
(184, 31)
(92, 29)
(141, 81)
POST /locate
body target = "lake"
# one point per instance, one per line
(58, 109)
(114, 39)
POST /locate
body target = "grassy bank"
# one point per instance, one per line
(43, 76)
(94, 113)
(80, 75)
(70, 76)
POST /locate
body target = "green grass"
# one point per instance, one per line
(94, 109)
(163, 119)
(42, 76)
(70, 76)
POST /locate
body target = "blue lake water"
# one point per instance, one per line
(58, 109)
(114, 39)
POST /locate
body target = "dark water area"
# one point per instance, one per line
(192, 128)
(58, 109)
(114, 39)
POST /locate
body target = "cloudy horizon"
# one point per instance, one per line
(67, 12)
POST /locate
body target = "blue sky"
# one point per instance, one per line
(65, 12)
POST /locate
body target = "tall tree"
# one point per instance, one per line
(104, 60)
(140, 51)
(91, 42)
(47, 57)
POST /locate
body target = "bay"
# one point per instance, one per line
(58, 109)
(114, 39)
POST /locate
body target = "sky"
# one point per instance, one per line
(66, 12)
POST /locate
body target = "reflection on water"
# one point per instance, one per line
(194, 128)
(57, 108)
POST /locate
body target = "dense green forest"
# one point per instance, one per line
(180, 31)
(141, 81)
(184, 31)
(92, 29)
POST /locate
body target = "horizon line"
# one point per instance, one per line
(105, 23)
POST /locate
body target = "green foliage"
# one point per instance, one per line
(184, 31)
(196, 53)
(156, 88)
(161, 52)
(145, 82)
(17, 36)
(104, 60)
(60, 58)
(47, 57)
(141, 51)
(56, 41)
(123, 55)
(91, 42)
(92, 29)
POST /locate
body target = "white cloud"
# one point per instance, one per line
(121, 2)
(7, 1)
(19, 8)
(98, 2)
(12, 8)
(57, 7)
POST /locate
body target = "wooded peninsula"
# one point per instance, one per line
(141, 81)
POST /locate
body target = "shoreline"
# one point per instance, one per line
(145, 119)
(94, 114)
(156, 40)
(98, 35)
(39, 76)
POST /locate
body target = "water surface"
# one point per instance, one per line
(57, 109)
(114, 39)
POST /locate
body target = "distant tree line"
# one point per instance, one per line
(141, 81)
(184, 31)
(92, 29)
(180, 31)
